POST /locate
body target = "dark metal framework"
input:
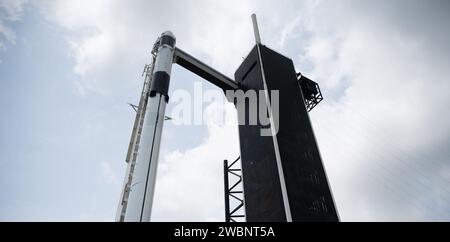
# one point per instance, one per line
(233, 191)
(311, 91)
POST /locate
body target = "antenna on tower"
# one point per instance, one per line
(256, 29)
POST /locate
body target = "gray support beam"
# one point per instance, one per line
(194, 65)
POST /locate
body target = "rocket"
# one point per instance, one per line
(142, 188)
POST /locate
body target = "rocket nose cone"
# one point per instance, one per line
(168, 33)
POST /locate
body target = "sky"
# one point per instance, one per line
(69, 68)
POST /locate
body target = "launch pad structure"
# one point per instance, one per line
(282, 175)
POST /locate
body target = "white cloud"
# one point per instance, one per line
(10, 11)
(108, 173)
(379, 114)
(116, 35)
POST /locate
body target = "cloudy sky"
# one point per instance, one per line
(69, 68)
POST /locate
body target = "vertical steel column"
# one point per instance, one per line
(142, 188)
(232, 191)
(226, 186)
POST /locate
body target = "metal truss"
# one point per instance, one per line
(311, 91)
(233, 192)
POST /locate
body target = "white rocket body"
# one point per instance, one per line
(142, 188)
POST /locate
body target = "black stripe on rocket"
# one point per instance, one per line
(161, 78)
(160, 84)
(167, 40)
